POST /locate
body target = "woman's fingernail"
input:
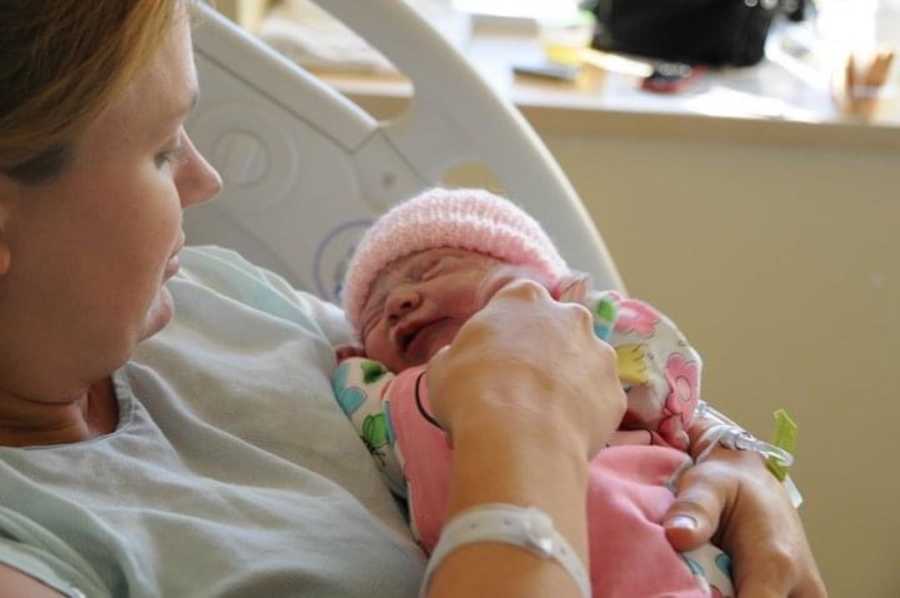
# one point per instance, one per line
(682, 522)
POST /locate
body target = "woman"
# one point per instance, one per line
(143, 455)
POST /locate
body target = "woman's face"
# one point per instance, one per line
(91, 250)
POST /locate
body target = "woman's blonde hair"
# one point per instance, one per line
(63, 62)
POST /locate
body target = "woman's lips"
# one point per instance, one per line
(174, 262)
(172, 266)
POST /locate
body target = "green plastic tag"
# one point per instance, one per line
(785, 438)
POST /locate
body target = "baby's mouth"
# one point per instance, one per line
(405, 334)
(408, 344)
(407, 339)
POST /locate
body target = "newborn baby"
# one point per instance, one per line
(420, 272)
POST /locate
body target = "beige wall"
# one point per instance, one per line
(783, 267)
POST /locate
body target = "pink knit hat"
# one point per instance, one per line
(470, 219)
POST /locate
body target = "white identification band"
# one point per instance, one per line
(526, 527)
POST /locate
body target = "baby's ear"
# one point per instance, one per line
(572, 287)
(342, 352)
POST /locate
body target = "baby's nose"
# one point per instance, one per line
(402, 301)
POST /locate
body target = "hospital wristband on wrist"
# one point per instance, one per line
(526, 527)
(730, 435)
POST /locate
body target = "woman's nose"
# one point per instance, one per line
(402, 300)
(197, 180)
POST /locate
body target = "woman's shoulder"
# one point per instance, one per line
(216, 272)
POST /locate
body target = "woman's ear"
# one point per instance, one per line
(572, 288)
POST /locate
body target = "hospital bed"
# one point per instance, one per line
(306, 170)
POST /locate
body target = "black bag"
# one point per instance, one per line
(706, 32)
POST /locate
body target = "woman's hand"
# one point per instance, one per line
(528, 394)
(528, 364)
(733, 500)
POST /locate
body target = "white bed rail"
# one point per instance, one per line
(305, 169)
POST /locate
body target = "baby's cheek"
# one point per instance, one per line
(373, 347)
(380, 349)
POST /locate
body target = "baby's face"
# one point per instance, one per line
(419, 302)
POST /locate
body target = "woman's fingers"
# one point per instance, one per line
(528, 361)
(693, 518)
(734, 501)
(770, 554)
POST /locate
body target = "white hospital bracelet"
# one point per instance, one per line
(731, 435)
(526, 527)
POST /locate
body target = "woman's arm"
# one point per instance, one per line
(522, 475)
(510, 393)
(733, 499)
(15, 584)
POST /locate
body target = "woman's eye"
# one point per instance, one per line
(168, 157)
(172, 155)
(165, 158)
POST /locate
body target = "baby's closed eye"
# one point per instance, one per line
(439, 266)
